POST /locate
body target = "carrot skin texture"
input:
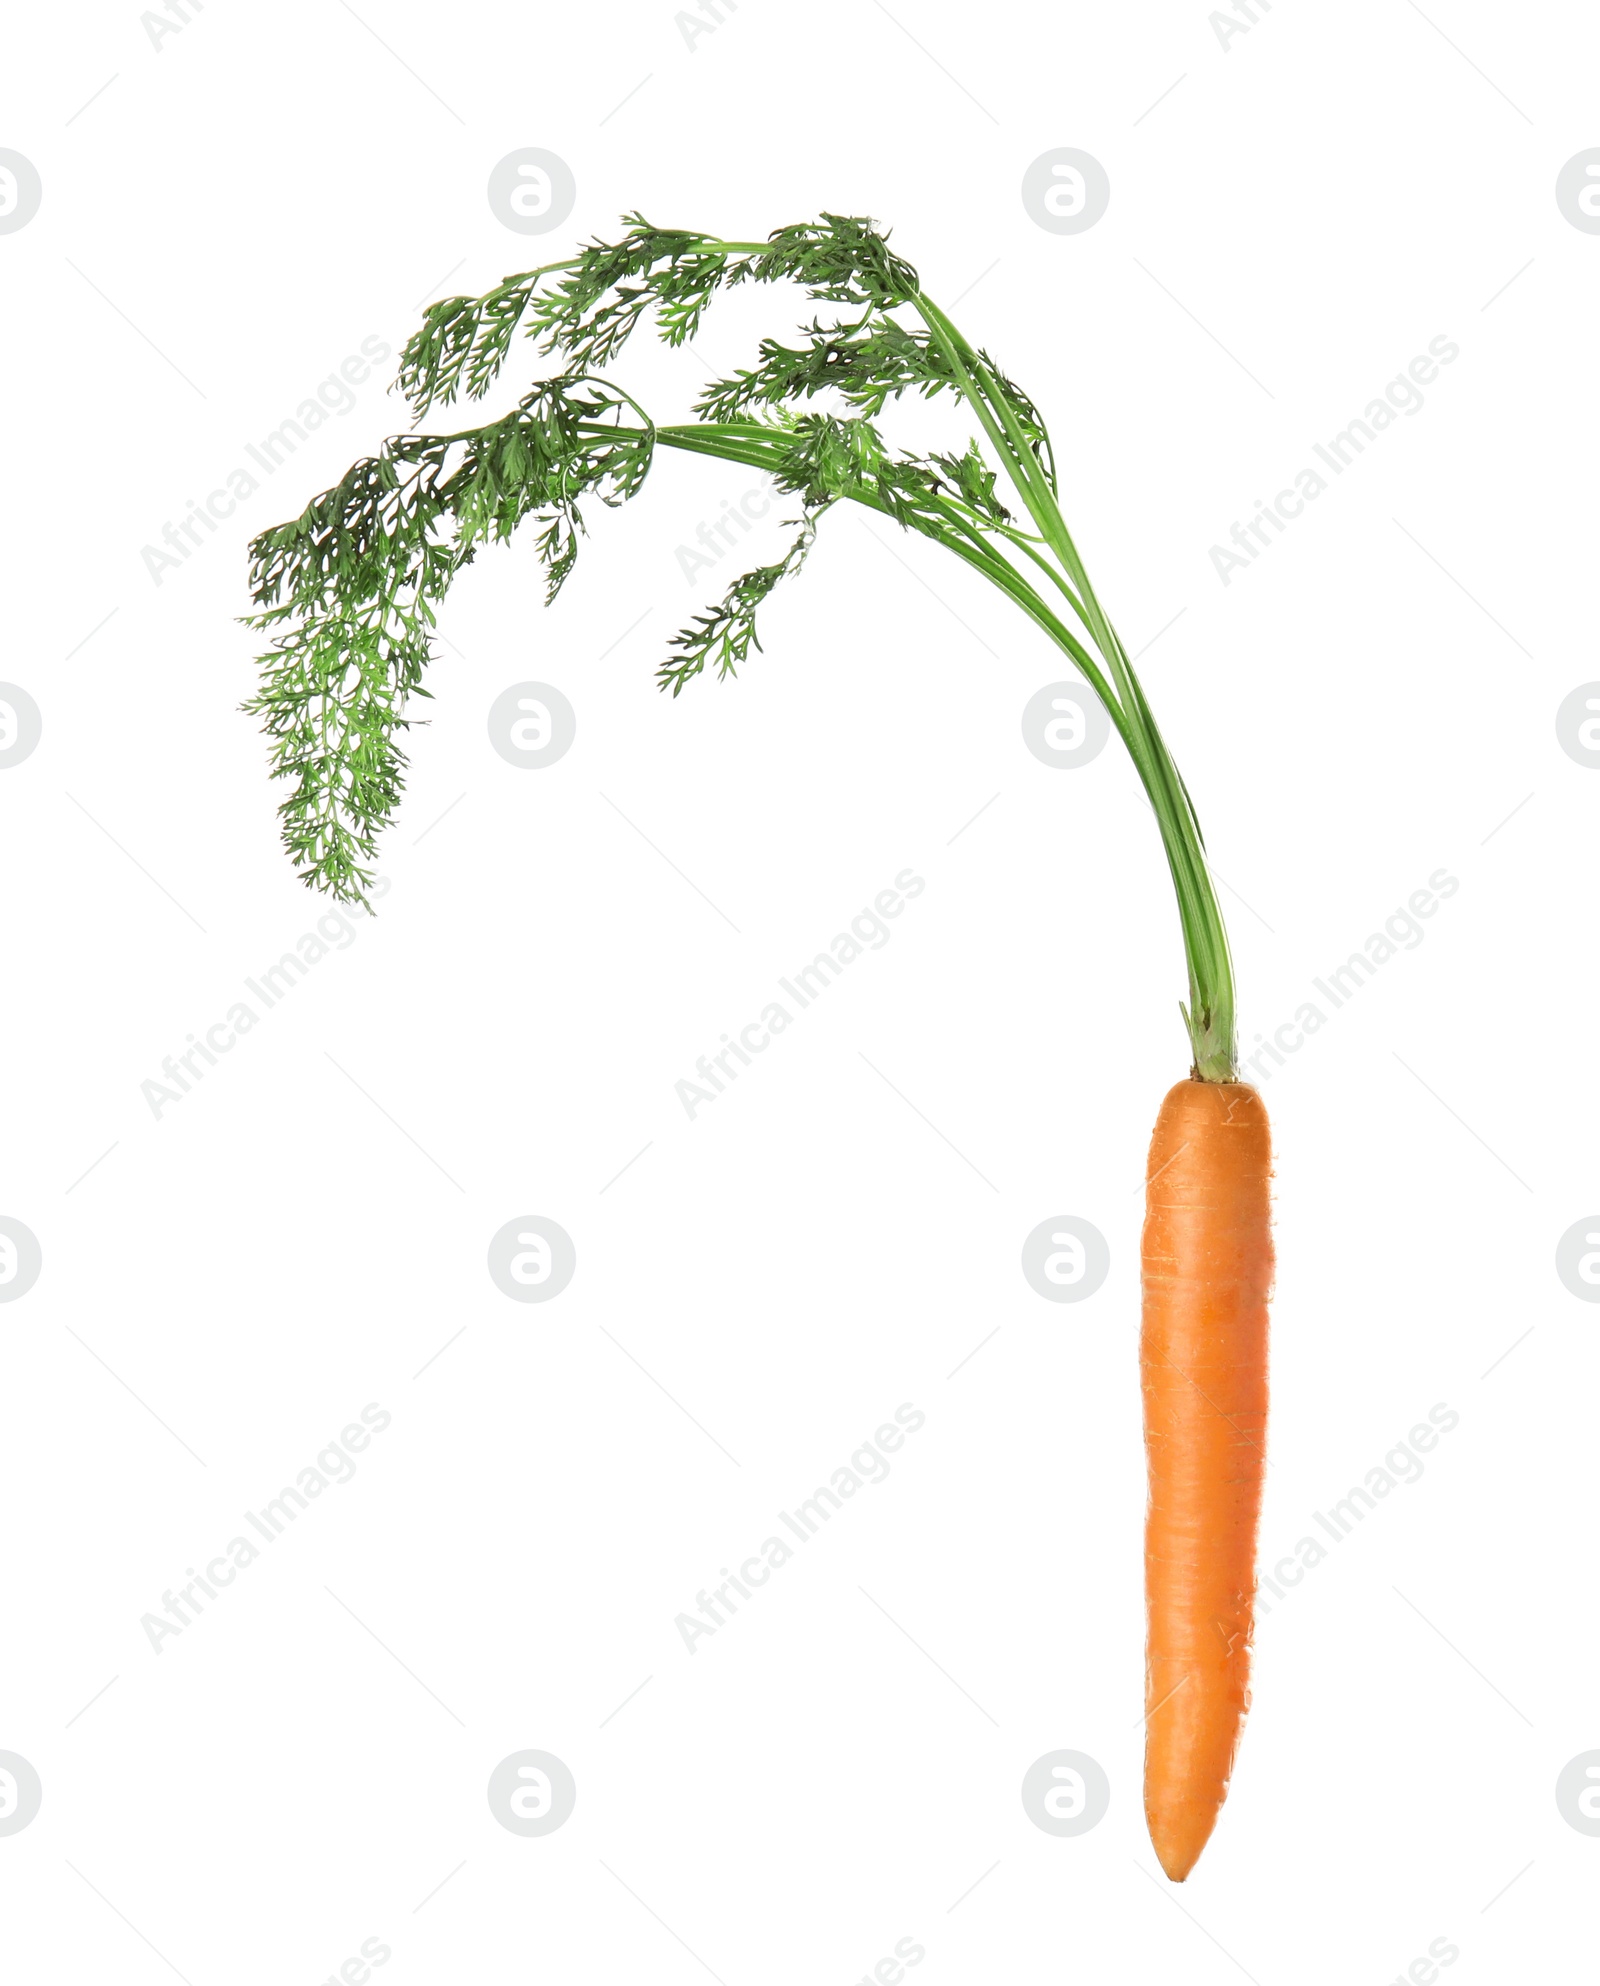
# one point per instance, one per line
(1206, 1265)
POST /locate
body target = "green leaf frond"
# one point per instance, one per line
(587, 308)
(868, 363)
(349, 590)
(724, 635)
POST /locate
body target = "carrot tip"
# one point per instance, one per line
(1179, 1837)
(1176, 1859)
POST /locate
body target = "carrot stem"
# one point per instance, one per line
(1209, 1015)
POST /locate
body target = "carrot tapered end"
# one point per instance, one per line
(1178, 1840)
(1191, 1735)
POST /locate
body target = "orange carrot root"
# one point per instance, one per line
(1207, 1274)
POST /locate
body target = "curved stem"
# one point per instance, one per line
(1210, 1013)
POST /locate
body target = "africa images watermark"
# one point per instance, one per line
(868, 931)
(711, 15)
(161, 27)
(1227, 27)
(358, 1968)
(719, 537)
(1402, 1464)
(1402, 395)
(334, 1464)
(334, 931)
(1401, 932)
(893, 1966)
(1425, 1968)
(869, 1464)
(332, 395)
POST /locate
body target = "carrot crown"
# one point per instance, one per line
(350, 588)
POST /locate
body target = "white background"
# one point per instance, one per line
(304, 1766)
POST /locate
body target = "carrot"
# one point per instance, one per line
(1206, 1263)
(350, 591)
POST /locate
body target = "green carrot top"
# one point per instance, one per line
(350, 588)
